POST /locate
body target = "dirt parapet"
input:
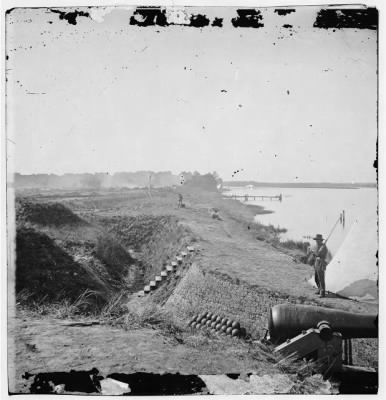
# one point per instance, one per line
(46, 214)
(59, 255)
(47, 270)
(155, 239)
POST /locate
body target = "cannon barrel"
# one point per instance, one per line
(287, 321)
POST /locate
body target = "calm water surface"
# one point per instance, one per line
(307, 211)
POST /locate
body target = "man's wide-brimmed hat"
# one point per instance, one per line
(318, 237)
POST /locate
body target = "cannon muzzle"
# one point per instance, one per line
(287, 321)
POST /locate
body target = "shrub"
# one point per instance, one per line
(293, 245)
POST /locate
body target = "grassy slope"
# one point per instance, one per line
(154, 238)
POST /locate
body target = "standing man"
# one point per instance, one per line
(317, 257)
(180, 198)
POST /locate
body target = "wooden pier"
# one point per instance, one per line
(247, 197)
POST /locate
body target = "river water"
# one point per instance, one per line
(307, 211)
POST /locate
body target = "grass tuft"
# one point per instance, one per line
(81, 306)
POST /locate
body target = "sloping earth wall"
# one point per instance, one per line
(200, 291)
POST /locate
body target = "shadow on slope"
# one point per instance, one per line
(59, 255)
(46, 270)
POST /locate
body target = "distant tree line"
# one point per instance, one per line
(208, 181)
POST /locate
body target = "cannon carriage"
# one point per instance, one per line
(324, 335)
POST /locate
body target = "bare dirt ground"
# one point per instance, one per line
(227, 247)
(44, 345)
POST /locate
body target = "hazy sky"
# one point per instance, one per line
(282, 104)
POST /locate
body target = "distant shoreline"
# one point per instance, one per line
(318, 185)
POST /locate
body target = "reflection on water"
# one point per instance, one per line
(307, 211)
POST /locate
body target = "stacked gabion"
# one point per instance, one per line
(217, 324)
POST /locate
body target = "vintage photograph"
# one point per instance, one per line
(192, 199)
